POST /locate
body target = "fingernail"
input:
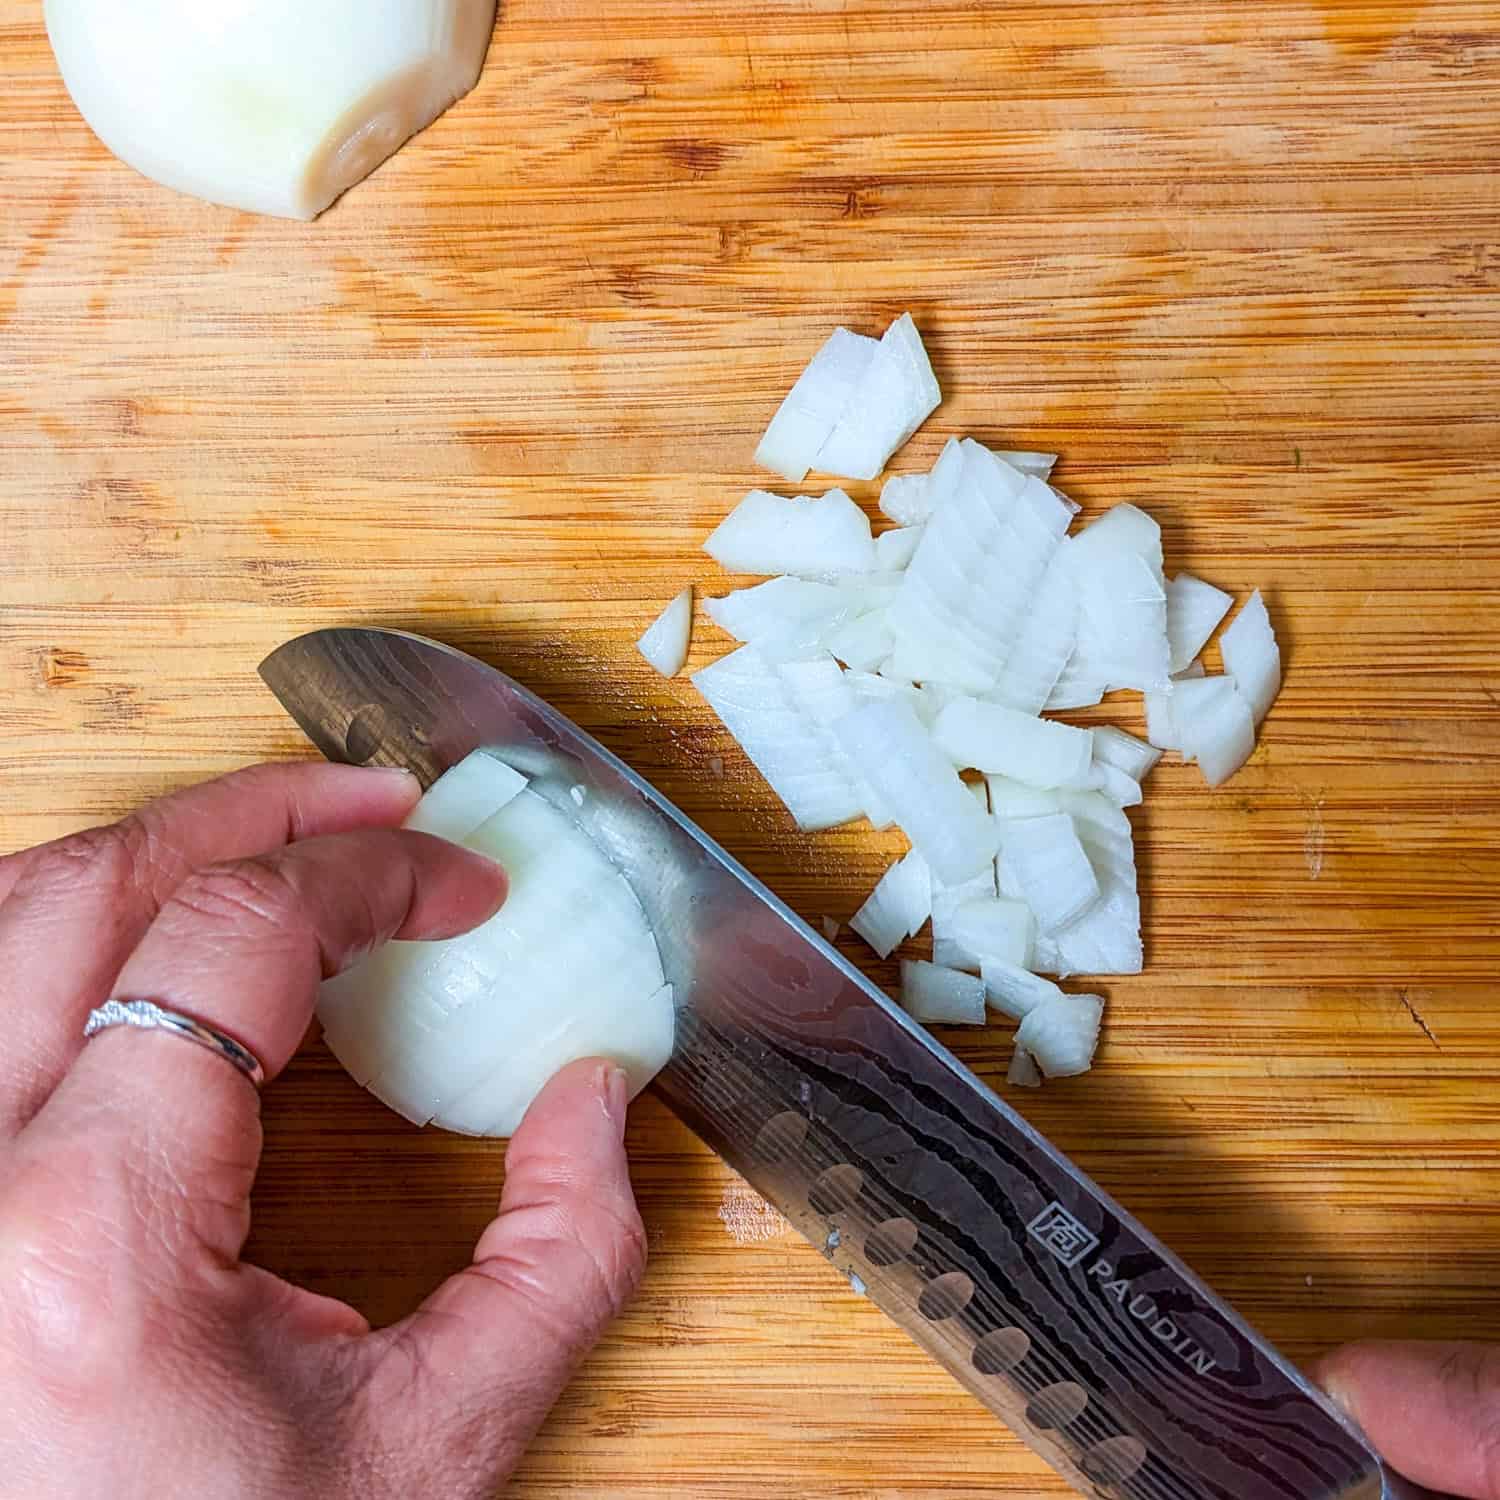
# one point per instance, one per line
(400, 771)
(1325, 1376)
(492, 870)
(616, 1096)
(1341, 1397)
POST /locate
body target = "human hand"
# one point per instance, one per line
(139, 1357)
(1431, 1409)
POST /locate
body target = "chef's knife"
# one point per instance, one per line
(1032, 1286)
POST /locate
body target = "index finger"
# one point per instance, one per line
(77, 907)
(242, 947)
(1432, 1409)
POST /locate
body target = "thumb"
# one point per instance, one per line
(1432, 1410)
(471, 1375)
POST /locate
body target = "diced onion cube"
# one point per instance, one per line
(1062, 1034)
(936, 996)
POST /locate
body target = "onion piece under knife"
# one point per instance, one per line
(465, 1032)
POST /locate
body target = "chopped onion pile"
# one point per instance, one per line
(879, 672)
(464, 1033)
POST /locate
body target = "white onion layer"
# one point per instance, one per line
(1113, 747)
(982, 555)
(467, 795)
(903, 498)
(896, 393)
(814, 405)
(808, 538)
(898, 906)
(784, 618)
(1106, 939)
(1051, 871)
(1214, 725)
(1004, 741)
(1252, 657)
(1013, 990)
(948, 946)
(894, 550)
(1194, 609)
(1038, 656)
(993, 929)
(1023, 1072)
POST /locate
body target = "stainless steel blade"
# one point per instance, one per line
(1042, 1296)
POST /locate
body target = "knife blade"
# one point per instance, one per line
(1044, 1297)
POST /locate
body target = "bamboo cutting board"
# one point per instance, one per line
(1239, 261)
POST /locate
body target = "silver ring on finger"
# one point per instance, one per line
(147, 1015)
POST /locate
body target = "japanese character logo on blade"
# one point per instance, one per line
(1062, 1234)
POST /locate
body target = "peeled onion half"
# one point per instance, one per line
(276, 106)
(464, 1033)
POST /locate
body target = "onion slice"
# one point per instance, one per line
(896, 393)
(1113, 747)
(1023, 1072)
(1107, 938)
(814, 405)
(784, 618)
(822, 538)
(1051, 871)
(948, 946)
(895, 549)
(1003, 741)
(1013, 990)
(1215, 725)
(1040, 464)
(903, 498)
(936, 996)
(1194, 609)
(994, 930)
(1040, 654)
(1252, 657)
(898, 906)
(982, 555)
(463, 798)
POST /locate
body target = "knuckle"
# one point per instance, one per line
(121, 856)
(244, 893)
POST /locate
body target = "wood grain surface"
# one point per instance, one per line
(1238, 261)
